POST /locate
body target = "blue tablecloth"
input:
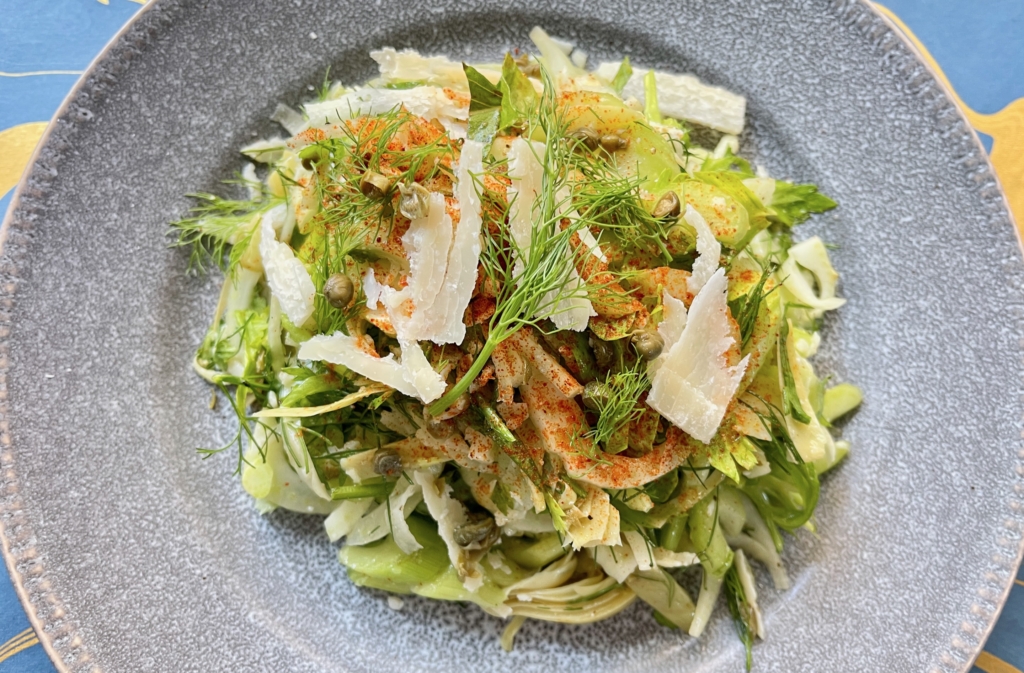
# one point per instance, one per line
(979, 46)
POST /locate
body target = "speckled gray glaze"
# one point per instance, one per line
(134, 555)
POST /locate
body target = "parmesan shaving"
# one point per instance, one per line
(412, 376)
(709, 251)
(287, 277)
(463, 259)
(693, 386)
(427, 244)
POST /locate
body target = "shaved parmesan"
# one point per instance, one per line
(429, 102)
(372, 289)
(574, 310)
(417, 372)
(686, 97)
(412, 376)
(286, 275)
(670, 328)
(460, 276)
(694, 385)
(526, 175)
(592, 245)
(709, 251)
(426, 244)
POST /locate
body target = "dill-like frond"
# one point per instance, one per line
(619, 405)
(216, 223)
(611, 202)
(532, 283)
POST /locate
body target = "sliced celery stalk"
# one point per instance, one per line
(841, 400)
(447, 587)
(384, 566)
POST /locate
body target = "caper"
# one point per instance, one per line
(648, 343)
(604, 352)
(478, 533)
(387, 463)
(338, 290)
(415, 201)
(595, 395)
(612, 142)
(374, 185)
(668, 207)
(311, 155)
(586, 137)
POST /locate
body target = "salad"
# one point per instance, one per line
(529, 336)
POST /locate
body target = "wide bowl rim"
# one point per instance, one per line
(61, 638)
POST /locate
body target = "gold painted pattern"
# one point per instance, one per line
(993, 664)
(1006, 128)
(22, 641)
(16, 146)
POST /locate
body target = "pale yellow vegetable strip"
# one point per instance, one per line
(602, 607)
(306, 412)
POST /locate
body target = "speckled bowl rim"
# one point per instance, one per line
(57, 633)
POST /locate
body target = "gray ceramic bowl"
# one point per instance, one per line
(131, 554)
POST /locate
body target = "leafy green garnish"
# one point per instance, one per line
(728, 162)
(518, 97)
(484, 106)
(793, 204)
(482, 94)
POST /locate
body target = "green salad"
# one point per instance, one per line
(530, 336)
